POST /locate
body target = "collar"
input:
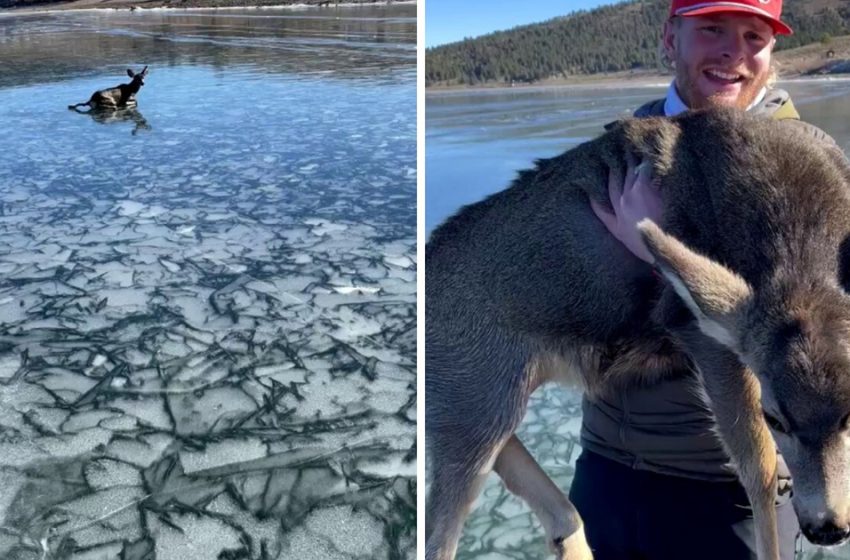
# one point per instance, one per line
(673, 104)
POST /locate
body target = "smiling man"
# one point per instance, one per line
(721, 52)
(653, 481)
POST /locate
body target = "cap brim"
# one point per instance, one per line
(779, 28)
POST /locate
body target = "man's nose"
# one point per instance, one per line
(733, 48)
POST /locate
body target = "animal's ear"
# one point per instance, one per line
(144, 71)
(714, 294)
(654, 140)
(130, 72)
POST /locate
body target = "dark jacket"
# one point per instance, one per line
(776, 104)
(667, 428)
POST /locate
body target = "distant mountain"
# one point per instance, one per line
(614, 38)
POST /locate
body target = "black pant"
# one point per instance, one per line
(639, 515)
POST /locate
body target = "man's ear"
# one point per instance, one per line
(714, 294)
(668, 38)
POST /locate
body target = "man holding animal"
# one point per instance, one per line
(755, 274)
(652, 468)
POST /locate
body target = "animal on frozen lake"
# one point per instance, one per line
(120, 96)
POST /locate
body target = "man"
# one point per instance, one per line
(653, 481)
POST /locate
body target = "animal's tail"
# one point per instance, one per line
(74, 107)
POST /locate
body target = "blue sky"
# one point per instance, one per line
(447, 21)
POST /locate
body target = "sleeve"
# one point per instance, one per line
(653, 108)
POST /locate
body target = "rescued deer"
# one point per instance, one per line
(526, 287)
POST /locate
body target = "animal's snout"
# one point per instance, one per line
(826, 534)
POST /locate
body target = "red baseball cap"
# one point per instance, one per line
(768, 10)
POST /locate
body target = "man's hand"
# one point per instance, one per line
(634, 198)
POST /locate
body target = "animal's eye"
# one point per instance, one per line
(774, 423)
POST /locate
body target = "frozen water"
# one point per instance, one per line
(222, 453)
(9, 365)
(193, 536)
(356, 533)
(86, 419)
(106, 473)
(107, 551)
(207, 324)
(76, 444)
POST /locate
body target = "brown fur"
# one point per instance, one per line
(120, 96)
(527, 284)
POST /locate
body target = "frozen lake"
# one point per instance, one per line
(476, 141)
(208, 304)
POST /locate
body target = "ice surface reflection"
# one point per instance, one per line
(207, 313)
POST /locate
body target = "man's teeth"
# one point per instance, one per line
(723, 75)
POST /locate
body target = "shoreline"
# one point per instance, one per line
(166, 5)
(605, 82)
(657, 81)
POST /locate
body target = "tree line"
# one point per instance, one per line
(613, 38)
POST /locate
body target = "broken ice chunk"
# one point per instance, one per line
(356, 289)
(129, 207)
(169, 265)
(9, 365)
(221, 453)
(213, 409)
(355, 532)
(106, 473)
(195, 536)
(400, 261)
(77, 444)
(305, 546)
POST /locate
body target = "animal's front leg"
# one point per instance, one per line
(560, 519)
(735, 398)
(717, 298)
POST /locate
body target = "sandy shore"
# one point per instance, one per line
(611, 82)
(190, 4)
(602, 81)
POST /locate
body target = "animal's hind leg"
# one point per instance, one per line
(458, 477)
(474, 402)
(524, 477)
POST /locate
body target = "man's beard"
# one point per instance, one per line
(686, 86)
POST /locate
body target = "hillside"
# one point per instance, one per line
(619, 38)
(816, 58)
